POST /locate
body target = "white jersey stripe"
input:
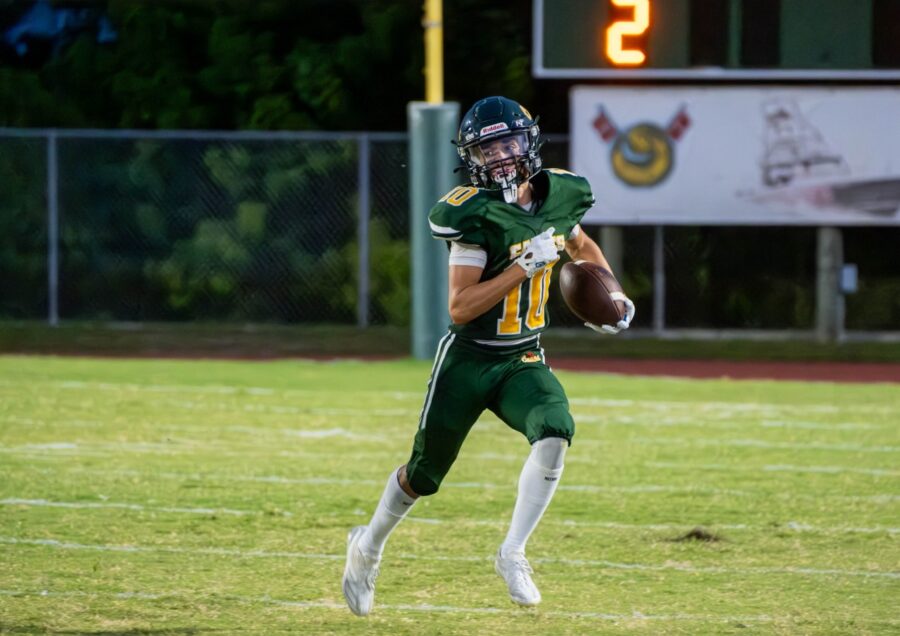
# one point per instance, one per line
(443, 346)
(506, 343)
(443, 231)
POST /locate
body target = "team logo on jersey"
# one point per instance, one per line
(531, 356)
(642, 155)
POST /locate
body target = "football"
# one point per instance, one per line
(586, 288)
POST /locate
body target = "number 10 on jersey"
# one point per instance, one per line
(538, 287)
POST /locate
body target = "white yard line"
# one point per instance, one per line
(666, 567)
(777, 468)
(215, 389)
(308, 433)
(167, 388)
(403, 418)
(818, 426)
(586, 488)
(262, 554)
(12, 501)
(174, 443)
(411, 414)
(795, 526)
(663, 405)
(759, 443)
(735, 407)
(52, 451)
(75, 423)
(380, 607)
(282, 409)
(712, 423)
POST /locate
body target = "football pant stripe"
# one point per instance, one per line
(443, 346)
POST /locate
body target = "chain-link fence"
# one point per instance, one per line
(314, 228)
(250, 227)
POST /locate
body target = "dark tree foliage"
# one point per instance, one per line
(223, 64)
(267, 64)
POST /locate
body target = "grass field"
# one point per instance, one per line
(183, 497)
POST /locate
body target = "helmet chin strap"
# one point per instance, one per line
(510, 187)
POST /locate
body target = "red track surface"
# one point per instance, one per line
(773, 370)
(815, 371)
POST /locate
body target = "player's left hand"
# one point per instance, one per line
(622, 324)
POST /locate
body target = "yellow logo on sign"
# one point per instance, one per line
(643, 155)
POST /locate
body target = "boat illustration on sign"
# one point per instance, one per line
(799, 167)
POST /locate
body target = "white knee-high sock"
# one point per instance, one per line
(537, 483)
(393, 506)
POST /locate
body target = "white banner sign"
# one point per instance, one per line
(762, 155)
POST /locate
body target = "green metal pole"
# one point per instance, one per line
(432, 159)
(734, 33)
(830, 260)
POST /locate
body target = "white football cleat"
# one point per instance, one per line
(359, 575)
(516, 571)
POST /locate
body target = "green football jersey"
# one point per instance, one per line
(478, 217)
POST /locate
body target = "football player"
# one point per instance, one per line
(505, 233)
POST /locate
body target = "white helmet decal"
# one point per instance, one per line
(487, 130)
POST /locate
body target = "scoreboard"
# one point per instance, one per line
(725, 40)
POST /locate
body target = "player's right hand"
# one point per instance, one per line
(539, 253)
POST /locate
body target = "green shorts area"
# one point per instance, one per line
(467, 378)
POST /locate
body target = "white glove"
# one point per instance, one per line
(539, 253)
(622, 324)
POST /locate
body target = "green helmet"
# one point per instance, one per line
(499, 143)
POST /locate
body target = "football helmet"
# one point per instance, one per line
(499, 143)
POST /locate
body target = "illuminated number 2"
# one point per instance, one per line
(538, 292)
(640, 22)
